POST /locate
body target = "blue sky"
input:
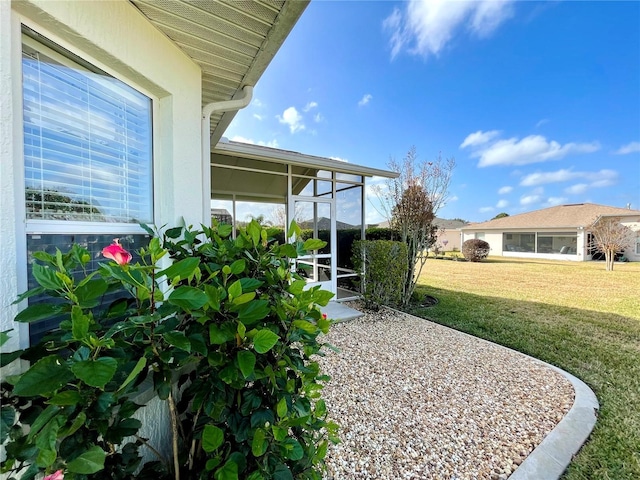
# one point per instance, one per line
(538, 102)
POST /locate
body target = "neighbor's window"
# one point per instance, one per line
(519, 242)
(87, 141)
(638, 245)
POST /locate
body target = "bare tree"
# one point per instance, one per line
(610, 236)
(411, 202)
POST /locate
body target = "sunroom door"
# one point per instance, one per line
(318, 215)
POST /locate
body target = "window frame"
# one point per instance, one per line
(75, 56)
(25, 226)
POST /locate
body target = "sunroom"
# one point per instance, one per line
(324, 196)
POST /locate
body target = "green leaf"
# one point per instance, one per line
(292, 449)
(250, 313)
(46, 439)
(281, 407)
(45, 376)
(264, 341)
(253, 230)
(7, 358)
(188, 298)
(68, 397)
(313, 244)
(279, 433)
(41, 420)
(73, 428)
(250, 284)
(306, 326)
(242, 330)
(212, 438)
(322, 297)
(89, 462)
(4, 337)
(294, 229)
(324, 324)
(235, 290)
(213, 297)
(224, 229)
(46, 277)
(181, 270)
(220, 334)
(296, 287)
(244, 298)
(7, 419)
(238, 266)
(96, 373)
(246, 362)
(259, 444)
(288, 250)
(38, 311)
(79, 323)
(142, 362)
(179, 340)
(229, 471)
(88, 293)
(282, 472)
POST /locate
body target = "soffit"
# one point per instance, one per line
(233, 41)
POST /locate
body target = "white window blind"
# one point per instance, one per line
(87, 141)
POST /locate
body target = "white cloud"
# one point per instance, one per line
(365, 100)
(258, 117)
(515, 151)
(426, 27)
(257, 103)
(339, 159)
(485, 209)
(577, 189)
(553, 201)
(604, 178)
(479, 138)
(505, 190)
(273, 143)
(318, 118)
(502, 204)
(454, 198)
(632, 147)
(529, 199)
(292, 118)
(309, 106)
(542, 122)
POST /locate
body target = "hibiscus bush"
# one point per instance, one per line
(226, 335)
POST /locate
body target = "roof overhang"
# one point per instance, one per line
(233, 42)
(259, 152)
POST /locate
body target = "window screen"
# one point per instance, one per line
(87, 141)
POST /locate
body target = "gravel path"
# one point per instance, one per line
(418, 400)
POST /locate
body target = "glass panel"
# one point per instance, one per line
(315, 220)
(348, 177)
(262, 165)
(348, 223)
(557, 243)
(222, 210)
(87, 142)
(519, 242)
(94, 244)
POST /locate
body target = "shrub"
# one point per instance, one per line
(228, 341)
(475, 249)
(383, 266)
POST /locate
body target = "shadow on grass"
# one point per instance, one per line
(602, 349)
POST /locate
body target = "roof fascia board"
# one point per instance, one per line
(258, 152)
(284, 23)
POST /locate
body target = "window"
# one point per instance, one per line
(564, 243)
(87, 157)
(638, 245)
(519, 242)
(87, 141)
(479, 235)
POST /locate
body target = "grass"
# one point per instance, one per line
(576, 316)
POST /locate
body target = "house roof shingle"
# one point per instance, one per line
(561, 216)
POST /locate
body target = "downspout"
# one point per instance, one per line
(207, 111)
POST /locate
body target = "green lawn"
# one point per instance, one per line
(573, 315)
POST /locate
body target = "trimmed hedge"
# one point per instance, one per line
(475, 249)
(383, 266)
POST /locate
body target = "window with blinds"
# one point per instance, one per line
(87, 141)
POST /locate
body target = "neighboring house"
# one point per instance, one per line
(561, 232)
(108, 111)
(448, 236)
(222, 215)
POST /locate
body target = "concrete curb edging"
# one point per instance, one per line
(552, 456)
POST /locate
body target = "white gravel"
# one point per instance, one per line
(418, 400)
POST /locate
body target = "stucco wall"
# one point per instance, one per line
(116, 37)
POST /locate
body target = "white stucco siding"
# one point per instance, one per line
(116, 37)
(632, 253)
